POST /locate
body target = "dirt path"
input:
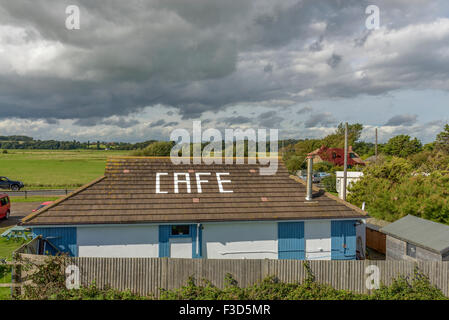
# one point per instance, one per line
(18, 211)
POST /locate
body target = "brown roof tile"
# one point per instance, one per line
(127, 194)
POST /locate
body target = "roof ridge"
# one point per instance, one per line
(331, 196)
(33, 215)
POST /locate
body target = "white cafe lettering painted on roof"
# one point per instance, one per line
(200, 178)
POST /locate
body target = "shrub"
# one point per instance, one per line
(330, 183)
(156, 149)
(49, 283)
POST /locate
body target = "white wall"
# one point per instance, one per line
(180, 247)
(251, 240)
(317, 235)
(352, 177)
(118, 241)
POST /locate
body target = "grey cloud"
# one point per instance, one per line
(120, 122)
(317, 45)
(304, 110)
(157, 123)
(235, 120)
(171, 124)
(334, 60)
(268, 68)
(324, 119)
(134, 54)
(402, 120)
(51, 121)
(269, 119)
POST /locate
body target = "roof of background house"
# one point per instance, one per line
(424, 233)
(126, 194)
(327, 154)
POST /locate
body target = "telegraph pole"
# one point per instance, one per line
(345, 168)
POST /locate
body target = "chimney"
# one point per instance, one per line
(309, 177)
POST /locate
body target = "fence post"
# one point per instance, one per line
(25, 194)
(65, 191)
(16, 279)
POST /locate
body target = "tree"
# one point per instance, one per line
(392, 190)
(402, 146)
(442, 141)
(337, 139)
(156, 149)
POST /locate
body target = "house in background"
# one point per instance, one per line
(149, 207)
(336, 156)
(413, 238)
(352, 177)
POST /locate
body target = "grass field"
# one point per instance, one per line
(6, 249)
(46, 169)
(33, 199)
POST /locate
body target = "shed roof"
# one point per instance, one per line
(424, 233)
(127, 194)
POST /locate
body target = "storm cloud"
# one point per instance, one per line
(402, 120)
(206, 56)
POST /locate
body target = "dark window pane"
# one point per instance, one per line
(180, 230)
(411, 250)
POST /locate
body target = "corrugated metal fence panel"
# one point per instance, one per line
(147, 275)
(291, 242)
(63, 238)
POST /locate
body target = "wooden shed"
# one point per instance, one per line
(412, 238)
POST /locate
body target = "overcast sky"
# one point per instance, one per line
(136, 70)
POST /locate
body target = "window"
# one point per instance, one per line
(181, 230)
(411, 250)
(4, 201)
(352, 155)
(334, 155)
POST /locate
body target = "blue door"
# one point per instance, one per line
(291, 240)
(195, 234)
(343, 240)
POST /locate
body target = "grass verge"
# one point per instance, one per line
(6, 249)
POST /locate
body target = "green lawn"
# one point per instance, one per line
(33, 199)
(44, 169)
(6, 249)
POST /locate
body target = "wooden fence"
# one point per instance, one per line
(148, 275)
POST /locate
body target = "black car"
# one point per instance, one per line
(5, 183)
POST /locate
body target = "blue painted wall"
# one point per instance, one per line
(343, 240)
(291, 243)
(61, 237)
(164, 240)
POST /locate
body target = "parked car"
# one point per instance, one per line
(43, 204)
(5, 206)
(315, 179)
(6, 183)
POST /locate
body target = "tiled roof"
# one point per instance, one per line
(337, 156)
(127, 194)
